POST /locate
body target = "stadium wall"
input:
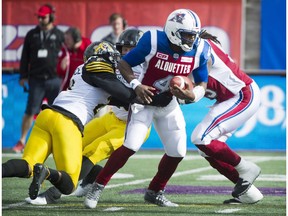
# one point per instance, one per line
(264, 131)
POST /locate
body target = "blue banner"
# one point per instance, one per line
(264, 131)
(273, 35)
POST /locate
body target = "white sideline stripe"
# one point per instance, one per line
(13, 205)
(228, 211)
(262, 177)
(113, 209)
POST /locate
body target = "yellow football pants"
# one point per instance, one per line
(102, 136)
(57, 134)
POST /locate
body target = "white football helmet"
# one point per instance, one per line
(182, 21)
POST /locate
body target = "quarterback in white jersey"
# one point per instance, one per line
(237, 99)
(177, 50)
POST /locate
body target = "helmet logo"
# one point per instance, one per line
(179, 17)
(102, 47)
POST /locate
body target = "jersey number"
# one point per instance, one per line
(163, 84)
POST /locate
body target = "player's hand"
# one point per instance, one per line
(145, 93)
(185, 94)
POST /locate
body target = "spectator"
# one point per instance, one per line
(38, 67)
(118, 24)
(71, 55)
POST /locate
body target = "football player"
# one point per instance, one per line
(59, 128)
(237, 99)
(177, 50)
(103, 135)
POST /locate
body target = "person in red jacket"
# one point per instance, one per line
(71, 55)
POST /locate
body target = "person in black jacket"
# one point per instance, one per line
(38, 64)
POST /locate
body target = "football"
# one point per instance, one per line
(180, 81)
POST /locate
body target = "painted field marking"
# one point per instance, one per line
(262, 177)
(228, 211)
(13, 205)
(114, 209)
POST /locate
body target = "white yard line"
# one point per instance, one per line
(228, 211)
(114, 209)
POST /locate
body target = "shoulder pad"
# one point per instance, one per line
(96, 64)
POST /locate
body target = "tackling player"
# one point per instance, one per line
(237, 99)
(58, 128)
(103, 135)
(177, 50)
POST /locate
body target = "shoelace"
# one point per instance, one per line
(94, 193)
(160, 198)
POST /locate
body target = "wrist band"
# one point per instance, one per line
(134, 83)
(199, 93)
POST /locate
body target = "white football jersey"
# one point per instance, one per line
(81, 98)
(122, 113)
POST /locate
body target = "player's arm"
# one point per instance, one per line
(133, 58)
(200, 76)
(101, 74)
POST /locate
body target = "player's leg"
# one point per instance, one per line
(35, 97)
(37, 150)
(224, 118)
(105, 134)
(99, 149)
(139, 124)
(170, 126)
(67, 152)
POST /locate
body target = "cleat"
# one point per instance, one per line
(40, 200)
(82, 189)
(252, 196)
(233, 201)
(93, 195)
(40, 173)
(158, 199)
(19, 147)
(50, 196)
(240, 188)
(247, 176)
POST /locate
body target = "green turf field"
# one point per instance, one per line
(195, 186)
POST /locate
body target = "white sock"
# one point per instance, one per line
(247, 170)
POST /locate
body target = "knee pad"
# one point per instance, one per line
(65, 184)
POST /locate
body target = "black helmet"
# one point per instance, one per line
(89, 51)
(129, 37)
(104, 50)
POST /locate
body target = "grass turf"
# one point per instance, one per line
(143, 167)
